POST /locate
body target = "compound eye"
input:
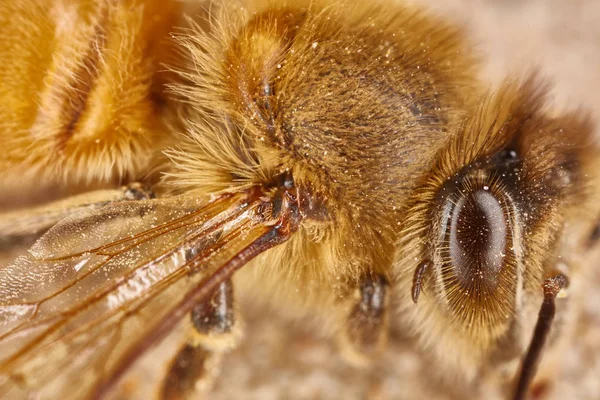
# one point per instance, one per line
(477, 239)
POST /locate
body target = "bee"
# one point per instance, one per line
(340, 161)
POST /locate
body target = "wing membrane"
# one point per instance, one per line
(97, 289)
(36, 220)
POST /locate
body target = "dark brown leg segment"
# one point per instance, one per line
(215, 317)
(214, 321)
(213, 331)
(191, 373)
(552, 287)
(365, 332)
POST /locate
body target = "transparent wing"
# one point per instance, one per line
(101, 286)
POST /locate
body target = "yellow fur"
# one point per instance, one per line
(374, 111)
(228, 146)
(80, 89)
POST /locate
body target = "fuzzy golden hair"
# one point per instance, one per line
(373, 115)
(332, 93)
(82, 89)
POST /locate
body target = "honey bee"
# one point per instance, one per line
(345, 155)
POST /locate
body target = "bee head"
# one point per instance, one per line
(486, 217)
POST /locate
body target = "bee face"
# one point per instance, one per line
(493, 200)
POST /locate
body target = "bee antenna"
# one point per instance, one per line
(552, 287)
(418, 278)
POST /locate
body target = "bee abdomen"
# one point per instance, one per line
(97, 109)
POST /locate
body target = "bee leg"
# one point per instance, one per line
(365, 332)
(214, 330)
(191, 373)
(552, 287)
(214, 321)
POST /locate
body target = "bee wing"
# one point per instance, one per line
(101, 286)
